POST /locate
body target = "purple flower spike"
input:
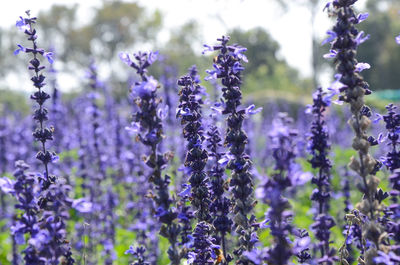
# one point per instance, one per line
(364, 164)
(148, 125)
(398, 39)
(196, 156)
(229, 68)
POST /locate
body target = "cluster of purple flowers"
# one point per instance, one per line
(228, 67)
(319, 148)
(345, 39)
(200, 197)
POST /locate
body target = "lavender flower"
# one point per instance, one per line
(203, 253)
(138, 253)
(185, 217)
(25, 190)
(392, 122)
(41, 134)
(393, 226)
(344, 47)
(272, 191)
(227, 67)
(147, 123)
(319, 149)
(104, 201)
(220, 205)
(50, 241)
(189, 111)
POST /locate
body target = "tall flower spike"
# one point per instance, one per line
(42, 134)
(392, 124)
(149, 129)
(344, 47)
(189, 112)
(392, 162)
(49, 242)
(228, 67)
(319, 149)
(273, 190)
(103, 199)
(220, 205)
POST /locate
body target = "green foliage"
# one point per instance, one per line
(13, 102)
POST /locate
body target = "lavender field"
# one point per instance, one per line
(219, 153)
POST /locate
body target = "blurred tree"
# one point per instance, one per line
(314, 6)
(262, 49)
(380, 50)
(115, 25)
(13, 102)
(183, 49)
(266, 75)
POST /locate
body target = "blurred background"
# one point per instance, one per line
(286, 64)
(283, 38)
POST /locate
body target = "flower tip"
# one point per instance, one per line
(124, 56)
(49, 57)
(20, 49)
(207, 48)
(362, 17)
(362, 66)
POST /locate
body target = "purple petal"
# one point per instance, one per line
(21, 25)
(7, 185)
(308, 109)
(362, 66)
(81, 205)
(398, 39)
(239, 53)
(378, 118)
(162, 113)
(20, 49)
(49, 56)
(186, 191)
(207, 48)
(134, 128)
(332, 36)
(360, 37)
(125, 58)
(251, 109)
(331, 54)
(152, 57)
(237, 67)
(362, 17)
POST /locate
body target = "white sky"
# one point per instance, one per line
(291, 29)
